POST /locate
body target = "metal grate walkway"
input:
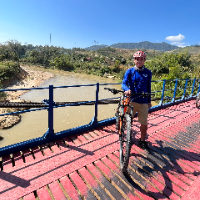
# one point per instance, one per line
(86, 166)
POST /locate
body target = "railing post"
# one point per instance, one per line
(198, 88)
(96, 104)
(50, 112)
(193, 87)
(175, 89)
(184, 92)
(94, 120)
(163, 92)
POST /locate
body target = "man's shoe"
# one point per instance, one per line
(143, 145)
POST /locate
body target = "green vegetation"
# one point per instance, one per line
(180, 63)
(8, 70)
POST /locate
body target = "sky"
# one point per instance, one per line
(83, 23)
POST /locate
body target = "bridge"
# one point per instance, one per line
(83, 163)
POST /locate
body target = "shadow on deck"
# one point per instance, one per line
(86, 166)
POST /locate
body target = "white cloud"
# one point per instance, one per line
(176, 40)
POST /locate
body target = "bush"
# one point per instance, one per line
(8, 69)
(163, 63)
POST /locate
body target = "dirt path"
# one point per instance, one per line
(26, 79)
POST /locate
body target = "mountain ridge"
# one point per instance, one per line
(163, 46)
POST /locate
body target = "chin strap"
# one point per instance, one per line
(139, 69)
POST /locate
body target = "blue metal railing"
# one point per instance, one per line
(51, 136)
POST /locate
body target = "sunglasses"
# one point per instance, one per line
(141, 59)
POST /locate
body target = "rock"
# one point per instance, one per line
(1, 138)
(9, 121)
(111, 76)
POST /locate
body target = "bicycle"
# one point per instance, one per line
(198, 101)
(123, 125)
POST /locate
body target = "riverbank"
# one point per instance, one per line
(27, 78)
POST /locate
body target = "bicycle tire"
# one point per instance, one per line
(125, 141)
(198, 101)
(117, 121)
(117, 115)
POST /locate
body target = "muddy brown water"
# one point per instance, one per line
(34, 124)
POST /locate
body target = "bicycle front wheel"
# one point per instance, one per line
(198, 101)
(125, 138)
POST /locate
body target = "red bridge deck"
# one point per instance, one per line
(86, 166)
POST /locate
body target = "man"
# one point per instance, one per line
(138, 80)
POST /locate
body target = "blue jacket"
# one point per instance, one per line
(138, 82)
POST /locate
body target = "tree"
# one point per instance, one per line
(17, 50)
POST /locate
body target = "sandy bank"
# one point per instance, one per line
(26, 79)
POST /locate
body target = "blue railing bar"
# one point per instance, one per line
(40, 88)
(184, 92)
(23, 111)
(95, 119)
(184, 87)
(34, 88)
(171, 80)
(50, 113)
(178, 79)
(85, 85)
(175, 89)
(67, 86)
(193, 87)
(163, 92)
(181, 88)
(199, 88)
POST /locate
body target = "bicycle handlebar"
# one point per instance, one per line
(115, 91)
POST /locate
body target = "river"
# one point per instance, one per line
(34, 124)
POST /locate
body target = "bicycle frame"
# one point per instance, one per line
(122, 109)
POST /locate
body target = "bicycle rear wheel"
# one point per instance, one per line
(198, 101)
(117, 121)
(125, 141)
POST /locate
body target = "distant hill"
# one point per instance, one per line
(141, 45)
(96, 47)
(193, 49)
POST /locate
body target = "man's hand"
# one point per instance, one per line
(127, 93)
(149, 105)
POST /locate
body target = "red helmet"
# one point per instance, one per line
(139, 54)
